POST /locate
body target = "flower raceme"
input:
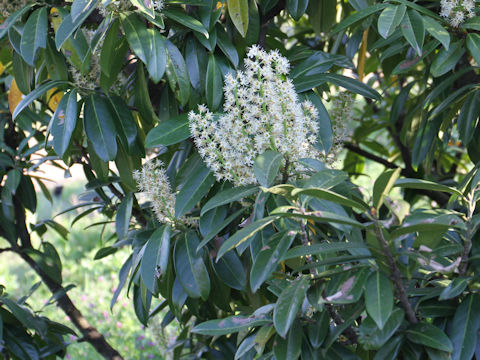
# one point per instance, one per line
(457, 11)
(152, 180)
(262, 112)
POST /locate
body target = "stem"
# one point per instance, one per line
(90, 333)
(396, 274)
(468, 234)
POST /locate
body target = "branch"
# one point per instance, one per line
(6, 249)
(90, 333)
(396, 275)
(265, 21)
(439, 197)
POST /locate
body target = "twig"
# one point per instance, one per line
(396, 274)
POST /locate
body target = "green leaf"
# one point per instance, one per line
(225, 44)
(358, 16)
(467, 120)
(34, 35)
(157, 59)
(425, 185)
(288, 304)
(104, 252)
(464, 328)
(230, 270)
(12, 19)
(190, 268)
(146, 8)
(454, 289)
(429, 335)
(124, 121)
(472, 23)
(193, 191)
(100, 127)
(137, 36)
(389, 19)
(177, 73)
(79, 6)
(291, 347)
(318, 331)
(383, 185)
(266, 167)
(325, 133)
(322, 248)
(36, 93)
(228, 196)
(228, 325)
(238, 11)
(122, 279)
(329, 195)
(68, 26)
(343, 81)
(155, 257)
(297, 8)
(244, 234)
(322, 217)
(413, 30)
(124, 213)
(64, 121)
(473, 45)
(213, 84)
(269, 257)
(214, 232)
(446, 60)
(437, 31)
(379, 298)
(169, 132)
(185, 20)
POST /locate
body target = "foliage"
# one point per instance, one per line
(298, 261)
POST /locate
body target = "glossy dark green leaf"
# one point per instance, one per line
(351, 84)
(177, 73)
(226, 45)
(379, 298)
(266, 167)
(297, 8)
(124, 121)
(446, 60)
(238, 11)
(429, 335)
(124, 213)
(229, 325)
(358, 16)
(190, 268)
(291, 347)
(473, 45)
(214, 232)
(383, 185)
(100, 127)
(389, 19)
(455, 288)
(244, 234)
(425, 185)
(228, 196)
(185, 20)
(64, 121)
(122, 279)
(213, 84)
(467, 120)
(464, 328)
(373, 338)
(322, 248)
(69, 26)
(79, 6)
(12, 19)
(36, 93)
(230, 270)
(318, 331)
(437, 31)
(329, 195)
(155, 258)
(193, 191)
(34, 35)
(288, 304)
(269, 257)
(413, 30)
(157, 59)
(138, 36)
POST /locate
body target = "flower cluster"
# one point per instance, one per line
(8, 7)
(456, 11)
(262, 112)
(124, 5)
(341, 114)
(153, 181)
